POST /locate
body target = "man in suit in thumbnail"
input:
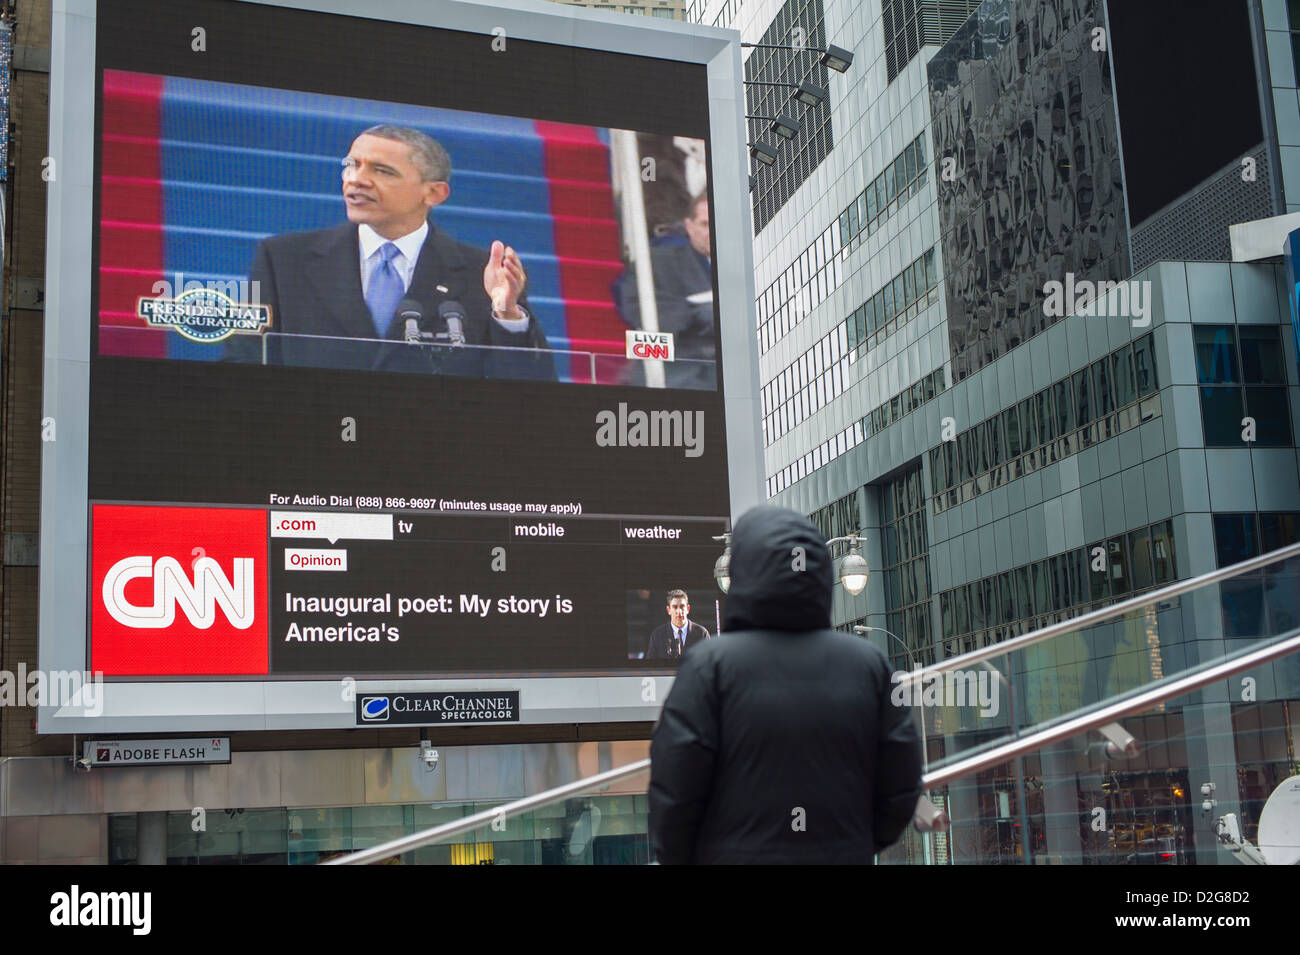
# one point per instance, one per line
(683, 281)
(347, 282)
(672, 639)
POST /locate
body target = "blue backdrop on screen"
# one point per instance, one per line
(290, 144)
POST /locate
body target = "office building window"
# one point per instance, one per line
(1242, 378)
(1056, 588)
(1267, 601)
(1109, 397)
(838, 519)
(906, 560)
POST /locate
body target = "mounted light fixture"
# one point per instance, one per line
(811, 95)
(807, 93)
(833, 57)
(782, 125)
(763, 153)
(836, 58)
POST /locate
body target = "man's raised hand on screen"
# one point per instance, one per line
(503, 280)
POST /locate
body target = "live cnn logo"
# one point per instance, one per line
(649, 346)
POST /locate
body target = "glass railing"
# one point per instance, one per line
(1137, 734)
(1022, 809)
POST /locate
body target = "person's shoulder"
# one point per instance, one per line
(847, 649)
(860, 650)
(670, 251)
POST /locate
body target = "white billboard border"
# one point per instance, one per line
(64, 557)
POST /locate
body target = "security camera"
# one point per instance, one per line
(429, 755)
(1120, 743)
(82, 765)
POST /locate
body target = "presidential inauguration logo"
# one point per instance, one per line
(204, 315)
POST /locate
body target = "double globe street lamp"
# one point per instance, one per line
(853, 566)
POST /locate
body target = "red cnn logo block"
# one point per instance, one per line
(178, 591)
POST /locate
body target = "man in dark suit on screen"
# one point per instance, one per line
(674, 638)
(347, 282)
(683, 282)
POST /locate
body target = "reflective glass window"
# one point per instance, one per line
(1006, 597)
(961, 611)
(1028, 425)
(1121, 363)
(1139, 545)
(1117, 552)
(1103, 398)
(975, 596)
(1044, 416)
(1083, 411)
(1162, 552)
(993, 440)
(1278, 530)
(1063, 394)
(1221, 416)
(1042, 589)
(1272, 414)
(980, 447)
(1024, 593)
(1011, 431)
(1216, 354)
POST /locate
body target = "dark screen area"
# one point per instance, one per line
(1185, 82)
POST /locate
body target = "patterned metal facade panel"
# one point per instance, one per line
(1195, 226)
(799, 22)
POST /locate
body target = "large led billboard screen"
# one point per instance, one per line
(385, 356)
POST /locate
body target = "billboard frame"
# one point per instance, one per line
(147, 707)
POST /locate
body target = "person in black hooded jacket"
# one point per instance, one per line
(778, 742)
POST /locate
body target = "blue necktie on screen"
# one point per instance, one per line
(386, 289)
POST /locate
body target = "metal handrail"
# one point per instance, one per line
(1072, 726)
(1093, 617)
(418, 840)
(1137, 703)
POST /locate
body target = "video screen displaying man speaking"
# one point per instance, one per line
(390, 274)
(453, 243)
(346, 312)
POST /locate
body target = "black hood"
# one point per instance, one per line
(773, 585)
